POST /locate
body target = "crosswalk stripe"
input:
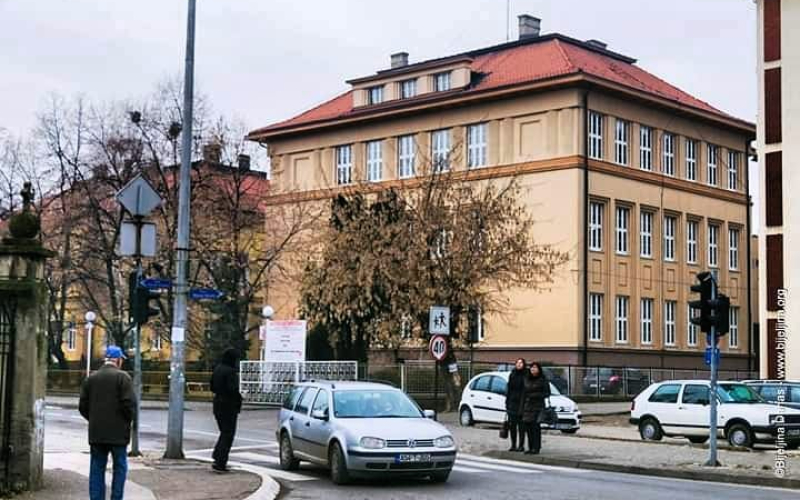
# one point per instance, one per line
(468, 470)
(289, 476)
(257, 457)
(524, 465)
(235, 448)
(519, 470)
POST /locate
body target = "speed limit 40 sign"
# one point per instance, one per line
(438, 347)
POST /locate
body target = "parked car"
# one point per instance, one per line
(771, 390)
(360, 429)
(680, 408)
(484, 400)
(613, 381)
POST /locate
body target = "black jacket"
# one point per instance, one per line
(514, 391)
(225, 383)
(108, 403)
(536, 390)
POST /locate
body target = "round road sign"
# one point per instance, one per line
(438, 347)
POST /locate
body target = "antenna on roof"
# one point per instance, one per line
(508, 20)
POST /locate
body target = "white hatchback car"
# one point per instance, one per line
(484, 400)
(680, 408)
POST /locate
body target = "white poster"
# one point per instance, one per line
(286, 341)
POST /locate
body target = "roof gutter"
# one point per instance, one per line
(585, 105)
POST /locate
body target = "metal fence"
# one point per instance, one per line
(269, 382)
(7, 311)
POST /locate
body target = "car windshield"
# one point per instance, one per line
(374, 404)
(738, 393)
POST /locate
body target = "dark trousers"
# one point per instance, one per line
(97, 471)
(226, 421)
(534, 431)
(515, 429)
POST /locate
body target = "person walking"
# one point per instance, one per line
(514, 392)
(227, 405)
(107, 401)
(537, 389)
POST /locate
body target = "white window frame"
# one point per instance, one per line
(375, 94)
(621, 140)
(596, 210)
(646, 219)
(408, 88)
(406, 156)
(646, 320)
(712, 179)
(713, 245)
(344, 165)
(72, 337)
(440, 150)
(596, 317)
(691, 159)
(733, 332)
(733, 170)
(692, 330)
(692, 240)
(622, 217)
(156, 344)
(733, 248)
(670, 229)
(595, 135)
(441, 81)
(670, 311)
(622, 309)
(476, 145)
(374, 161)
(668, 154)
(645, 148)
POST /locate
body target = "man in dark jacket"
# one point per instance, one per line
(537, 390)
(227, 405)
(108, 403)
(514, 392)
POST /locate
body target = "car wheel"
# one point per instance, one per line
(339, 473)
(440, 477)
(650, 430)
(569, 431)
(740, 435)
(465, 417)
(697, 439)
(287, 460)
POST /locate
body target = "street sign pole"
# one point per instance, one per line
(177, 377)
(436, 387)
(712, 397)
(137, 356)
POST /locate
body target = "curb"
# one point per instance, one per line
(269, 489)
(656, 472)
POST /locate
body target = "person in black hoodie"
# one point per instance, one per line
(514, 392)
(537, 389)
(227, 405)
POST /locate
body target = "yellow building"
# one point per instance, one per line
(642, 183)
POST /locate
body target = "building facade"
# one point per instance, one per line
(778, 149)
(643, 184)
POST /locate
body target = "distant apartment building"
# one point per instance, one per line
(778, 151)
(642, 183)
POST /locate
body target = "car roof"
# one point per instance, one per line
(347, 385)
(771, 381)
(698, 381)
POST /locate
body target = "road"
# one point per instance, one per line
(473, 478)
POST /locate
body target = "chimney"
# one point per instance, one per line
(529, 27)
(399, 59)
(212, 152)
(597, 43)
(244, 162)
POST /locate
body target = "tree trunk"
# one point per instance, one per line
(451, 382)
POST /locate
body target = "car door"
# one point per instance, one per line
(663, 404)
(299, 420)
(318, 426)
(496, 400)
(479, 398)
(693, 410)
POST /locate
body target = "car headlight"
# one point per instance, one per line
(372, 443)
(444, 442)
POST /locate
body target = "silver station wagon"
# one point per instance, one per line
(361, 429)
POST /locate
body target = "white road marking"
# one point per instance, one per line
(518, 470)
(524, 465)
(215, 434)
(235, 448)
(257, 457)
(468, 470)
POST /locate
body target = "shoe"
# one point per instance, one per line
(220, 469)
(532, 452)
(513, 448)
(519, 449)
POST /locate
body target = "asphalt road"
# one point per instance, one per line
(473, 478)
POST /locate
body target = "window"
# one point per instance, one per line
(623, 217)
(668, 154)
(645, 148)
(733, 249)
(72, 336)
(595, 135)
(596, 317)
(667, 393)
(441, 81)
(406, 150)
(321, 403)
(156, 342)
(476, 145)
(733, 170)
(375, 94)
(713, 245)
(670, 307)
(691, 160)
(291, 400)
(646, 234)
(621, 142)
(499, 386)
(596, 226)
(482, 383)
(695, 395)
(344, 165)
(441, 244)
(733, 332)
(440, 150)
(405, 327)
(712, 165)
(374, 161)
(669, 237)
(408, 88)
(622, 319)
(305, 401)
(691, 328)
(692, 227)
(646, 317)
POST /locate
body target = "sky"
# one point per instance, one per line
(261, 61)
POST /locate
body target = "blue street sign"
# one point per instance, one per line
(156, 283)
(708, 355)
(205, 294)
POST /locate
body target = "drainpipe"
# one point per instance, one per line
(585, 353)
(746, 170)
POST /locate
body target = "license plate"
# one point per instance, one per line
(793, 432)
(563, 426)
(412, 457)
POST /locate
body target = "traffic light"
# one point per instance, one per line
(705, 288)
(720, 314)
(140, 297)
(473, 324)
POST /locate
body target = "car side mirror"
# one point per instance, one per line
(431, 414)
(320, 414)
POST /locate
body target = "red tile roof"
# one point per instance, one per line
(519, 63)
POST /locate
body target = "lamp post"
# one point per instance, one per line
(267, 312)
(89, 317)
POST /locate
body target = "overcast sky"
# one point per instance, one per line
(265, 60)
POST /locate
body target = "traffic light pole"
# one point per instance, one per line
(137, 346)
(712, 397)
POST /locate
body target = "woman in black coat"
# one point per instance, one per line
(537, 389)
(514, 393)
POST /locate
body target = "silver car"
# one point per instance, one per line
(359, 429)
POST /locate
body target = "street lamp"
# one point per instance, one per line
(266, 312)
(89, 317)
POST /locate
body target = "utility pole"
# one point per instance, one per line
(177, 376)
(137, 346)
(712, 396)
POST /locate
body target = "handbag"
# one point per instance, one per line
(547, 415)
(504, 429)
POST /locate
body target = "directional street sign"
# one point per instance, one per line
(138, 197)
(205, 294)
(439, 321)
(708, 355)
(156, 283)
(438, 347)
